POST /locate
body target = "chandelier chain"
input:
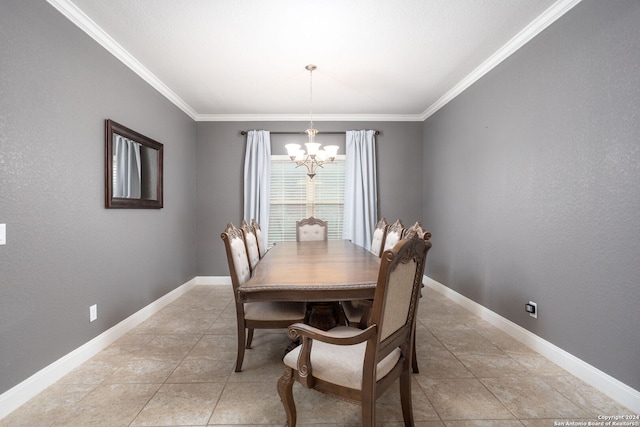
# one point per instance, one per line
(311, 97)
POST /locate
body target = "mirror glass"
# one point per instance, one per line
(133, 168)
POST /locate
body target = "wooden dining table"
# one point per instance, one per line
(314, 271)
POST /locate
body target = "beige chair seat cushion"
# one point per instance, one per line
(274, 310)
(342, 364)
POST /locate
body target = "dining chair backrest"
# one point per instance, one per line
(237, 258)
(401, 275)
(379, 234)
(394, 234)
(251, 244)
(418, 229)
(310, 229)
(262, 247)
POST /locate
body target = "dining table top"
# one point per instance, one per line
(330, 270)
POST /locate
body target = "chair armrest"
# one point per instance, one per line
(309, 332)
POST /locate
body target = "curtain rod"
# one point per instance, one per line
(244, 132)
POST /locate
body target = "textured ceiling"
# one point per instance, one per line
(376, 59)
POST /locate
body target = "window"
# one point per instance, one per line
(295, 196)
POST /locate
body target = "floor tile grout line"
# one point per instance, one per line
(163, 383)
(426, 395)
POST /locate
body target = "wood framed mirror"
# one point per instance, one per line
(133, 169)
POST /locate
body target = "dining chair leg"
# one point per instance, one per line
(405, 398)
(241, 346)
(368, 411)
(414, 358)
(285, 390)
(249, 337)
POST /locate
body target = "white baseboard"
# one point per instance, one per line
(605, 383)
(29, 388)
(213, 280)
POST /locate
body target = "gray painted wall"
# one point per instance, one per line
(221, 161)
(64, 250)
(532, 187)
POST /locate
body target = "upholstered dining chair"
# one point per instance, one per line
(361, 364)
(262, 245)
(253, 315)
(394, 233)
(251, 244)
(311, 228)
(379, 234)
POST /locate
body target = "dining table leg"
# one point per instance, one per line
(324, 315)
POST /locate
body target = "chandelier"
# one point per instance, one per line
(315, 156)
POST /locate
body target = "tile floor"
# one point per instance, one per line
(177, 369)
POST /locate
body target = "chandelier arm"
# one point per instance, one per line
(310, 168)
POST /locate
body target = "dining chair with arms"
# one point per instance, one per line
(253, 315)
(251, 244)
(311, 228)
(357, 312)
(361, 364)
(394, 234)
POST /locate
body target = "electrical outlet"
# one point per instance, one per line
(532, 309)
(3, 234)
(93, 312)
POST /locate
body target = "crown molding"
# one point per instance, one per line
(86, 24)
(305, 118)
(548, 17)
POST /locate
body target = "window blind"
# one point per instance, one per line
(295, 196)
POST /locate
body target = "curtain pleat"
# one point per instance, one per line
(127, 181)
(257, 176)
(361, 191)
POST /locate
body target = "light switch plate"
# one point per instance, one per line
(3, 234)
